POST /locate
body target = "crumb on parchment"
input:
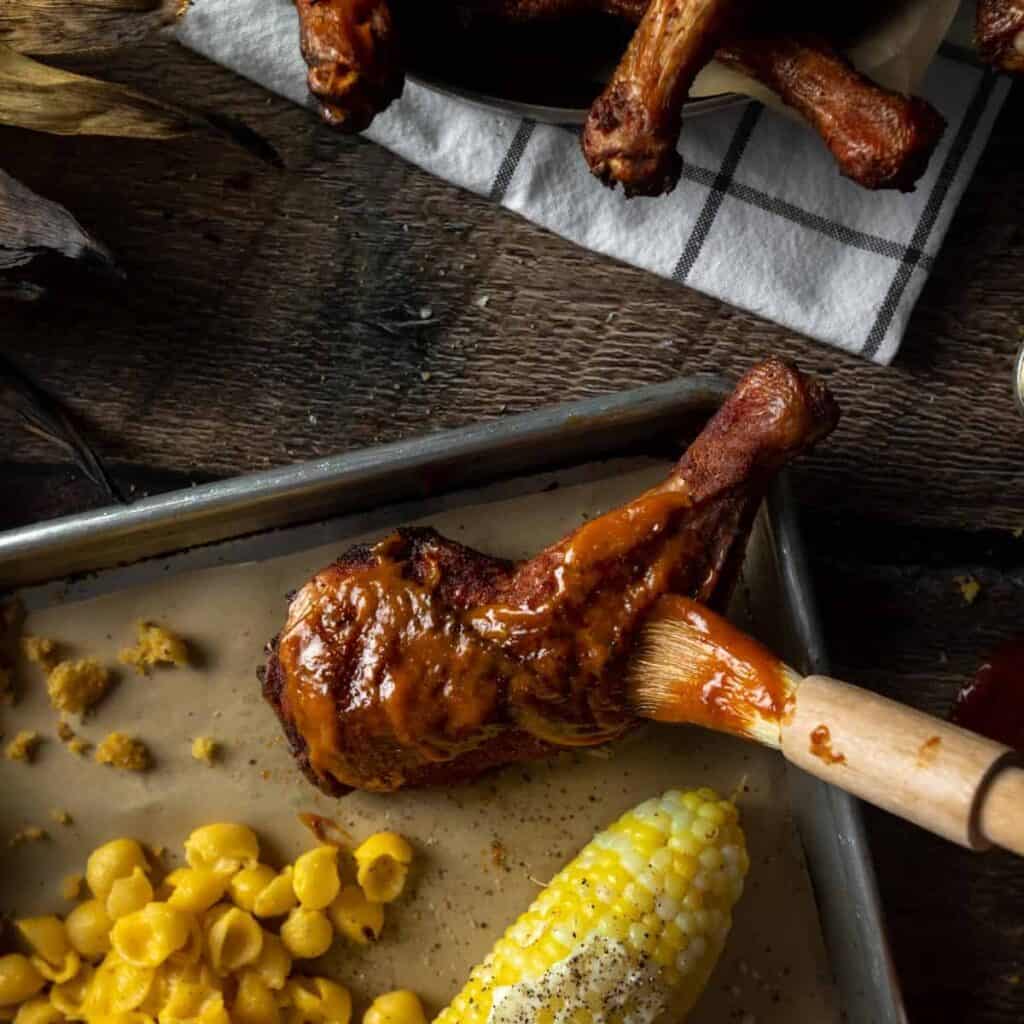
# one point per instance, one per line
(29, 834)
(24, 746)
(156, 646)
(60, 816)
(71, 886)
(40, 650)
(969, 588)
(121, 751)
(205, 749)
(74, 743)
(74, 686)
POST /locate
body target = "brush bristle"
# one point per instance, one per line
(692, 666)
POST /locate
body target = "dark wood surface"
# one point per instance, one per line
(272, 316)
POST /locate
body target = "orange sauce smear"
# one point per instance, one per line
(821, 746)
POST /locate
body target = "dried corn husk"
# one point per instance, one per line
(77, 26)
(36, 229)
(45, 99)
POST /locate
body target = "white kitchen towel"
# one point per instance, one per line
(761, 219)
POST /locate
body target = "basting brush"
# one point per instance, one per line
(693, 667)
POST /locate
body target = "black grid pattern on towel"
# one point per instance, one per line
(719, 187)
(722, 183)
(914, 254)
(507, 170)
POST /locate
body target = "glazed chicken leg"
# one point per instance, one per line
(879, 138)
(1000, 33)
(632, 130)
(420, 661)
(355, 68)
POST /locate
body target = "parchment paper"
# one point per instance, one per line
(895, 51)
(459, 900)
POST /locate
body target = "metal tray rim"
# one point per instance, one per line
(523, 443)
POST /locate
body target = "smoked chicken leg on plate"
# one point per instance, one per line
(418, 661)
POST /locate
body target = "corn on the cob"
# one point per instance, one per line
(629, 931)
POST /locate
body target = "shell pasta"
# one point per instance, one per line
(211, 943)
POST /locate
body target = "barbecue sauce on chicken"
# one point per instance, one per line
(419, 661)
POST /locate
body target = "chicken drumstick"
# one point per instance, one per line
(879, 138)
(632, 130)
(1000, 33)
(419, 661)
(355, 68)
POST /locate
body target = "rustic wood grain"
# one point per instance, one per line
(351, 299)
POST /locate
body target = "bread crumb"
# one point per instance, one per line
(60, 816)
(75, 686)
(40, 650)
(205, 749)
(29, 834)
(71, 887)
(123, 752)
(156, 646)
(23, 747)
(969, 588)
(67, 736)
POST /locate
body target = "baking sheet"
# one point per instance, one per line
(775, 966)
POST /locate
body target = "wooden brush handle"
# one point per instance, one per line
(935, 774)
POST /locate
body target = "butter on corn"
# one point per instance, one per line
(631, 929)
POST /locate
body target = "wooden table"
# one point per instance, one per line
(276, 316)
